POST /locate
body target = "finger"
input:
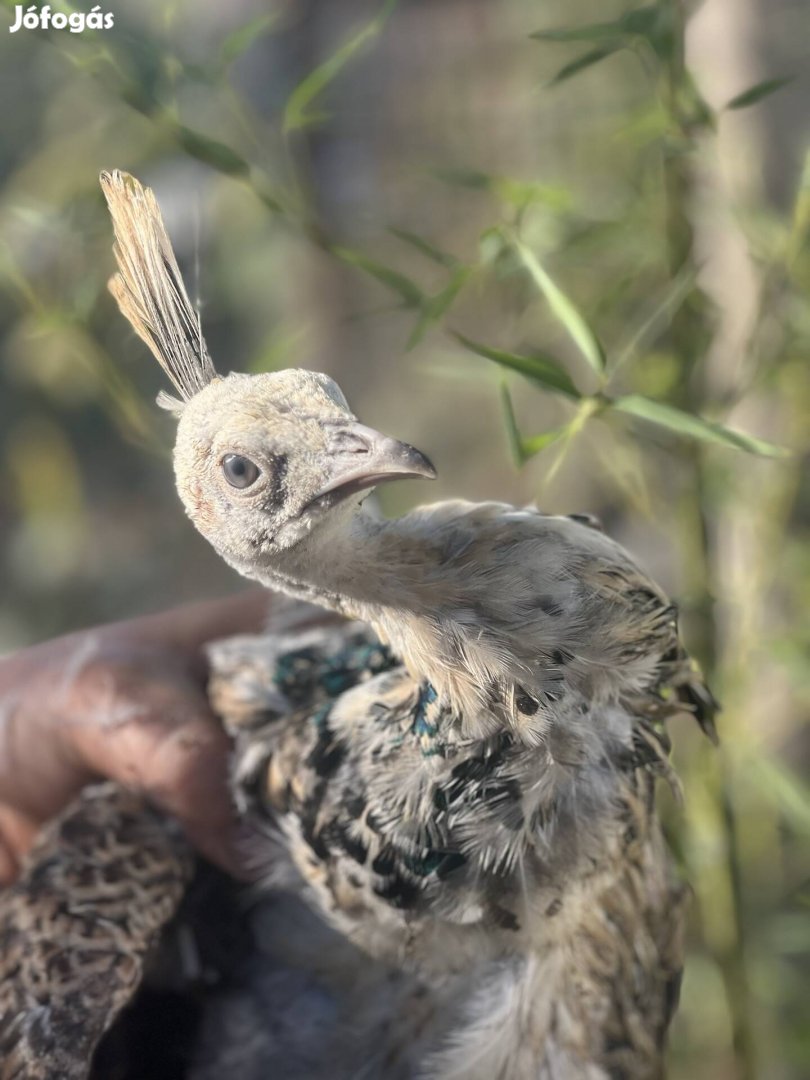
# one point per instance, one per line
(227, 848)
(17, 834)
(177, 756)
(39, 771)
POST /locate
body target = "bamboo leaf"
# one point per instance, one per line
(243, 37)
(510, 422)
(594, 32)
(425, 247)
(523, 449)
(492, 246)
(587, 60)
(438, 305)
(641, 22)
(466, 178)
(800, 223)
(212, 152)
(539, 369)
(410, 292)
(759, 91)
(653, 23)
(695, 427)
(673, 297)
(564, 309)
(523, 193)
(296, 111)
(645, 21)
(535, 443)
(786, 788)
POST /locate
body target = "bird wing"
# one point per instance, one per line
(77, 927)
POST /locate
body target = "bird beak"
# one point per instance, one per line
(361, 458)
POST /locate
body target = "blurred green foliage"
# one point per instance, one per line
(555, 292)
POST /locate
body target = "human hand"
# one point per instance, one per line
(126, 702)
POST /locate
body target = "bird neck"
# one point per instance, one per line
(364, 566)
(389, 575)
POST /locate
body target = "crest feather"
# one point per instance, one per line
(148, 287)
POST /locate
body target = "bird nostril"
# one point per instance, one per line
(349, 442)
(358, 446)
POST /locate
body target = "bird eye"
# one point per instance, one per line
(240, 472)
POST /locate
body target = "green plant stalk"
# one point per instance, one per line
(689, 333)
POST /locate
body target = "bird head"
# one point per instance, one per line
(262, 462)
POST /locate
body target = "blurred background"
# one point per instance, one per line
(563, 247)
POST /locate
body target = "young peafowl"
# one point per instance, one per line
(464, 782)
(459, 778)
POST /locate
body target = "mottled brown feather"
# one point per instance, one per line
(77, 928)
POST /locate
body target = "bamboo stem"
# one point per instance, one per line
(690, 333)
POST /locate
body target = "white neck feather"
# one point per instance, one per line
(375, 571)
